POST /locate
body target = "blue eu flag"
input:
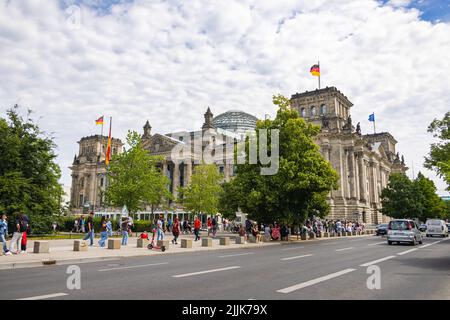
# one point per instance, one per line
(372, 117)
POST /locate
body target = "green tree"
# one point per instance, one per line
(403, 198)
(433, 206)
(228, 200)
(28, 172)
(304, 178)
(439, 156)
(399, 198)
(134, 179)
(203, 192)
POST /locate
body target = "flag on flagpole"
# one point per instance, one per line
(372, 117)
(99, 121)
(108, 148)
(315, 70)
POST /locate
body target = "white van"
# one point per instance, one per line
(436, 227)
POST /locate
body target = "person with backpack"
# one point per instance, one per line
(125, 227)
(90, 229)
(214, 226)
(4, 233)
(103, 232)
(20, 226)
(175, 230)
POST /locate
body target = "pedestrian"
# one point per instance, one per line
(20, 226)
(125, 227)
(169, 224)
(214, 226)
(54, 225)
(267, 233)
(197, 225)
(209, 225)
(255, 232)
(242, 231)
(90, 229)
(284, 233)
(4, 233)
(103, 232)
(83, 224)
(175, 230)
(160, 230)
(75, 225)
(248, 227)
(109, 227)
(276, 232)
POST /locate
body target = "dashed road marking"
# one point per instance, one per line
(46, 296)
(349, 248)
(132, 267)
(205, 271)
(376, 261)
(296, 257)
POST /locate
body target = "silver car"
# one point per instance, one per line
(404, 230)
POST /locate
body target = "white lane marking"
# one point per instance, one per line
(376, 243)
(203, 272)
(349, 248)
(376, 261)
(287, 249)
(315, 281)
(237, 254)
(46, 296)
(296, 257)
(407, 251)
(132, 267)
(430, 244)
(327, 244)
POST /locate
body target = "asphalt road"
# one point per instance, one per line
(329, 269)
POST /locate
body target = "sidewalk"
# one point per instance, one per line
(61, 251)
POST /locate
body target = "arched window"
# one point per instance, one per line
(303, 112)
(323, 109)
(313, 111)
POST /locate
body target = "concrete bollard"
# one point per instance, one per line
(206, 242)
(303, 236)
(240, 240)
(320, 234)
(332, 235)
(348, 234)
(80, 245)
(41, 247)
(266, 239)
(353, 233)
(339, 234)
(114, 243)
(326, 234)
(161, 243)
(312, 236)
(225, 241)
(142, 243)
(186, 243)
(252, 239)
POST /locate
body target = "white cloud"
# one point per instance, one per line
(167, 61)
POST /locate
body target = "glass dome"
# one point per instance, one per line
(236, 121)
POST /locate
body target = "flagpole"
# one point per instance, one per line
(374, 123)
(318, 63)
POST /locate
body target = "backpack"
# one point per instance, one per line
(23, 224)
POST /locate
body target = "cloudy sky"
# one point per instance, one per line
(72, 61)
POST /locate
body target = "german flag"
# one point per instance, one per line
(315, 70)
(99, 121)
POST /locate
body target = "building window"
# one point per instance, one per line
(303, 112)
(313, 111)
(221, 169)
(101, 182)
(180, 138)
(323, 109)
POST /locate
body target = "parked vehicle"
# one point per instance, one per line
(381, 229)
(436, 227)
(423, 227)
(404, 230)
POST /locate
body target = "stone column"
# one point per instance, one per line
(357, 177)
(188, 173)
(164, 167)
(176, 179)
(362, 178)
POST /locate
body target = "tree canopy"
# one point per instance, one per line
(304, 179)
(28, 172)
(134, 179)
(405, 198)
(202, 193)
(439, 156)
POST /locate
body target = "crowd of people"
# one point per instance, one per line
(18, 243)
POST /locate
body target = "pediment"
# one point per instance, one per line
(159, 143)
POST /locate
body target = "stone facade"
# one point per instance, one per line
(363, 162)
(89, 172)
